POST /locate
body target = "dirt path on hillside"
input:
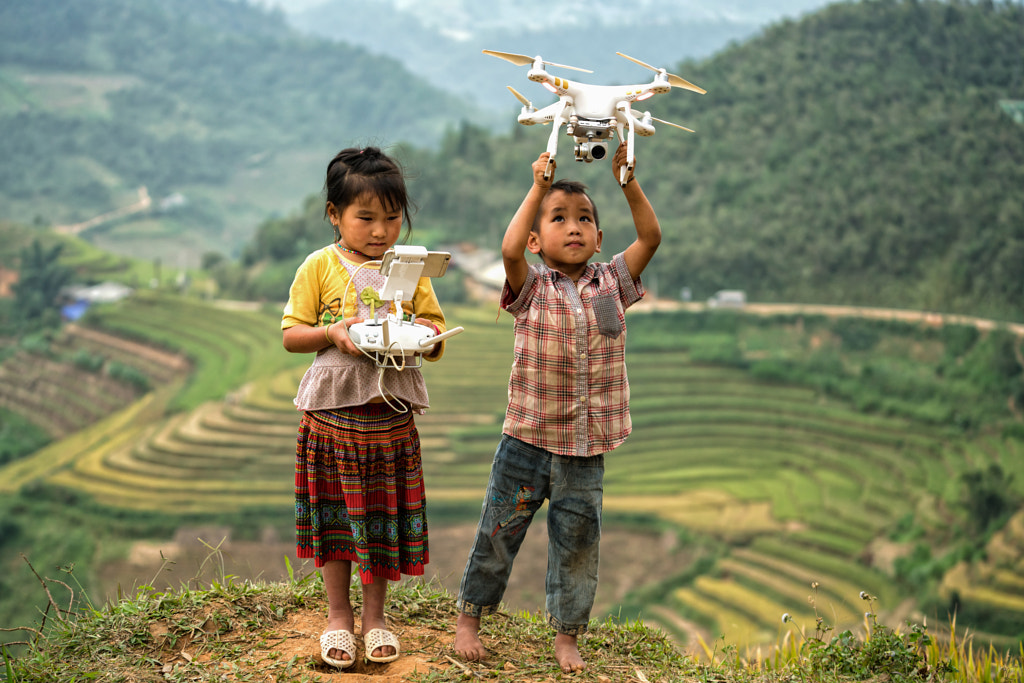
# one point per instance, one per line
(928, 318)
(152, 354)
(143, 204)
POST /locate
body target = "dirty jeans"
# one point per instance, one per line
(522, 476)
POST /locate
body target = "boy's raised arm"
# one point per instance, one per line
(517, 234)
(648, 229)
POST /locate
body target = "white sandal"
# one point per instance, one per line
(338, 640)
(379, 638)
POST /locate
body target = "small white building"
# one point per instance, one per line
(728, 298)
(103, 293)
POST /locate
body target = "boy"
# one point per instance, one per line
(568, 402)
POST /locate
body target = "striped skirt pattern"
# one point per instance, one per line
(359, 492)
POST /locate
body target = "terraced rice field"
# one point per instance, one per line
(798, 488)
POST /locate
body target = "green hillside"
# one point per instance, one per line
(864, 154)
(857, 156)
(782, 452)
(217, 105)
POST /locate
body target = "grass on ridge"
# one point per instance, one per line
(246, 631)
(256, 631)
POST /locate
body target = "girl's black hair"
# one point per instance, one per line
(354, 172)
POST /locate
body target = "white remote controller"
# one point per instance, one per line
(396, 337)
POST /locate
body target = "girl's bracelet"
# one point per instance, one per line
(327, 333)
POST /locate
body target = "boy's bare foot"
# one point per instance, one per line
(567, 654)
(467, 639)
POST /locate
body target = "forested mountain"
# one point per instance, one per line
(442, 41)
(860, 155)
(216, 100)
(857, 155)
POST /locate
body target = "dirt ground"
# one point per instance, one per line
(628, 559)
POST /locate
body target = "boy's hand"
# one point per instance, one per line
(540, 167)
(619, 160)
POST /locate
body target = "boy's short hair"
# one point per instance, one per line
(568, 187)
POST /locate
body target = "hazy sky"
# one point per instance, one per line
(455, 10)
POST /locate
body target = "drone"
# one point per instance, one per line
(592, 114)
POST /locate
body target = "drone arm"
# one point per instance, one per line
(560, 119)
(624, 170)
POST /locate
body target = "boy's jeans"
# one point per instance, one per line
(522, 476)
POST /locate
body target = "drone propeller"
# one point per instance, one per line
(647, 118)
(673, 80)
(525, 102)
(669, 123)
(524, 60)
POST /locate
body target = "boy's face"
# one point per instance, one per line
(566, 235)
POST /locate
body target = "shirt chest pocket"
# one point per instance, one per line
(607, 314)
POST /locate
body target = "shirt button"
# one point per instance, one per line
(579, 310)
(583, 399)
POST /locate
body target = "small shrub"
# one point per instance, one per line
(958, 339)
(774, 370)
(1014, 430)
(882, 654)
(715, 348)
(38, 343)
(18, 437)
(87, 361)
(857, 334)
(126, 373)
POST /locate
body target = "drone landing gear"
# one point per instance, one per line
(630, 138)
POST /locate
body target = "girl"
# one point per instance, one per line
(359, 495)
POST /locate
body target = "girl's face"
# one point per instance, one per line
(366, 226)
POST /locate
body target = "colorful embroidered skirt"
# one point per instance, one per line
(359, 492)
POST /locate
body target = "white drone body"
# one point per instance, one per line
(593, 114)
(391, 339)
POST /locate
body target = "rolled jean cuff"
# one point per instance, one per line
(567, 629)
(477, 611)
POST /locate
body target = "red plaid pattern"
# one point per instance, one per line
(568, 392)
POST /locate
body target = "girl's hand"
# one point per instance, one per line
(619, 160)
(539, 167)
(341, 338)
(430, 324)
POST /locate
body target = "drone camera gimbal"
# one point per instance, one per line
(591, 137)
(589, 149)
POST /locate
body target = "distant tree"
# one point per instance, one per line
(40, 280)
(988, 497)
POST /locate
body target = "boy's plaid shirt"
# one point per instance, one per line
(568, 392)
